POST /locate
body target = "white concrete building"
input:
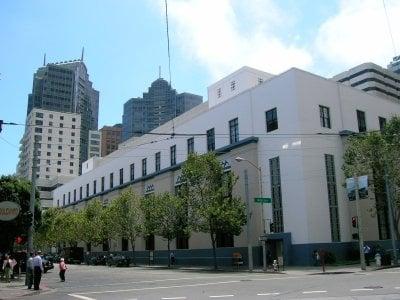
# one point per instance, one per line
(290, 126)
(373, 79)
(57, 135)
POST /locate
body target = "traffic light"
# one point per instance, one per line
(354, 222)
(27, 219)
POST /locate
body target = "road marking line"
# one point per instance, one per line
(160, 287)
(172, 298)
(221, 296)
(269, 294)
(80, 297)
(360, 290)
(314, 292)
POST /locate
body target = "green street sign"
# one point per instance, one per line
(262, 200)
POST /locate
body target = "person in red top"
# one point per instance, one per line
(63, 268)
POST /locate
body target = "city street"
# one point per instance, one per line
(99, 282)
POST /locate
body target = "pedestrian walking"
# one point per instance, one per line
(7, 268)
(29, 271)
(37, 270)
(63, 268)
(367, 253)
(172, 258)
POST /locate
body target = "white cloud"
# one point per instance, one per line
(210, 33)
(359, 33)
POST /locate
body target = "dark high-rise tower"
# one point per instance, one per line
(65, 87)
(160, 104)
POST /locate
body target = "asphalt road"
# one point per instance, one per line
(100, 283)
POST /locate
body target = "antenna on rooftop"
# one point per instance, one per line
(44, 59)
(83, 52)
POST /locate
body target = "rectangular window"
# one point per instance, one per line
(149, 242)
(87, 190)
(64, 200)
(39, 115)
(234, 130)
(362, 126)
(382, 123)
(144, 166)
(80, 193)
(276, 193)
(94, 187)
(102, 183)
(39, 122)
(219, 93)
(69, 197)
(324, 116)
(211, 139)
(271, 118)
(61, 117)
(190, 146)
(111, 180)
(233, 85)
(158, 161)
(132, 172)
(173, 155)
(332, 197)
(121, 176)
(74, 195)
(38, 130)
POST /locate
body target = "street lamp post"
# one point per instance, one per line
(240, 159)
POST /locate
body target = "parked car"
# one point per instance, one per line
(47, 264)
(118, 261)
(98, 260)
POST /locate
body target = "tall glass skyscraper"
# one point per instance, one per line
(65, 87)
(160, 104)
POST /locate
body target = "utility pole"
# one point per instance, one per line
(390, 212)
(248, 218)
(33, 197)
(359, 221)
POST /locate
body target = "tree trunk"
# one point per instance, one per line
(133, 252)
(214, 250)
(169, 253)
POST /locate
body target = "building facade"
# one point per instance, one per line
(65, 87)
(159, 104)
(290, 126)
(57, 136)
(111, 137)
(373, 79)
(94, 148)
(394, 65)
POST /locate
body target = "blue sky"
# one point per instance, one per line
(125, 42)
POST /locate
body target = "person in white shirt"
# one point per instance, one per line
(37, 269)
(29, 271)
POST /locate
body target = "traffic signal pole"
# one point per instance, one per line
(32, 198)
(360, 232)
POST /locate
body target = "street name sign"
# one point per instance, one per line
(262, 200)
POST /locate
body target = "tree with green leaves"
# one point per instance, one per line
(48, 234)
(127, 218)
(90, 218)
(16, 190)
(377, 154)
(208, 192)
(164, 214)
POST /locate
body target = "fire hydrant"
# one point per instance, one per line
(378, 260)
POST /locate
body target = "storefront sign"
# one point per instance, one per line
(9, 210)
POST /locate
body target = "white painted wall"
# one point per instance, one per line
(296, 95)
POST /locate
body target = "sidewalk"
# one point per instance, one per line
(17, 288)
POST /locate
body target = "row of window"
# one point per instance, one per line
(40, 115)
(325, 119)
(271, 121)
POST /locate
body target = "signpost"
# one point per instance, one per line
(262, 200)
(9, 210)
